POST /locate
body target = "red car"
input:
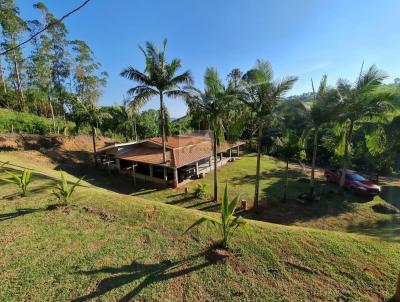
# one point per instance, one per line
(353, 182)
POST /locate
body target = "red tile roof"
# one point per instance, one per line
(181, 150)
(178, 141)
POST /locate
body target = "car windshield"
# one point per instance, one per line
(355, 177)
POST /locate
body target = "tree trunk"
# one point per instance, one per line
(136, 137)
(19, 84)
(314, 159)
(346, 155)
(94, 145)
(396, 297)
(286, 181)
(259, 150)
(3, 80)
(162, 113)
(52, 113)
(215, 168)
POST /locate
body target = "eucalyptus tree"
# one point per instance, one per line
(360, 101)
(39, 72)
(213, 104)
(58, 58)
(88, 82)
(158, 79)
(13, 26)
(261, 93)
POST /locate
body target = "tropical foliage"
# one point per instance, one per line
(21, 181)
(261, 93)
(63, 191)
(228, 223)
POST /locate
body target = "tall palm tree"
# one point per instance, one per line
(262, 94)
(359, 101)
(213, 105)
(322, 111)
(158, 79)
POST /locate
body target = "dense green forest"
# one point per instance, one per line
(53, 86)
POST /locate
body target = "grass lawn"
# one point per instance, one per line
(353, 214)
(113, 247)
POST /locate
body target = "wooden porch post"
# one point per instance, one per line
(230, 154)
(238, 151)
(151, 170)
(165, 173)
(197, 168)
(134, 174)
(176, 175)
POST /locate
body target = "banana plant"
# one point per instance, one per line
(63, 191)
(21, 181)
(227, 224)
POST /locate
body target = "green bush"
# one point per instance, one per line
(200, 191)
(24, 122)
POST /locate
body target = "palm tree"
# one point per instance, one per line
(86, 112)
(158, 79)
(126, 116)
(359, 101)
(261, 94)
(212, 104)
(322, 111)
(289, 147)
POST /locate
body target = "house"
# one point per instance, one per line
(187, 157)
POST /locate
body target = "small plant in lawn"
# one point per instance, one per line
(227, 224)
(21, 181)
(63, 191)
(200, 191)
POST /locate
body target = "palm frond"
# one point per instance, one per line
(135, 75)
(184, 78)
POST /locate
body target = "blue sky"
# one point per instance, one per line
(306, 38)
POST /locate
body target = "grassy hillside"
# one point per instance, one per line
(354, 213)
(108, 246)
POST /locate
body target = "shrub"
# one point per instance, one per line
(228, 223)
(63, 191)
(200, 191)
(21, 181)
(30, 123)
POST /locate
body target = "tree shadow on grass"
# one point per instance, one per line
(388, 230)
(150, 273)
(18, 213)
(184, 198)
(273, 173)
(287, 212)
(391, 194)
